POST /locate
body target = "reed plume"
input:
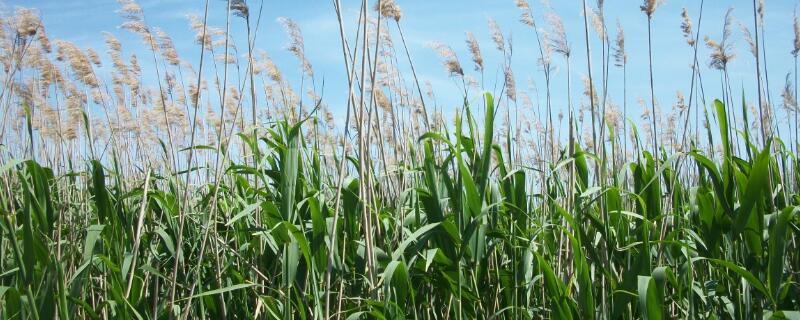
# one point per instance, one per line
(686, 27)
(511, 84)
(559, 41)
(449, 58)
(475, 50)
(240, 9)
(620, 55)
(167, 47)
(789, 99)
(796, 28)
(389, 9)
(526, 17)
(497, 35)
(649, 7)
(296, 44)
(722, 52)
(26, 22)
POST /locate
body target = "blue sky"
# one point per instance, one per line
(447, 21)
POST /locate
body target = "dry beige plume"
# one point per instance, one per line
(680, 103)
(450, 60)
(79, 62)
(167, 47)
(44, 41)
(722, 52)
(598, 23)
(133, 76)
(559, 41)
(112, 42)
(134, 21)
(26, 22)
(545, 58)
(269, 66)
(135, 68)
(130, 8)
(613, 116)
(3, 24)
(511, 84)
(239, 8)
(590, 92)
(796, 47)
(649, 7)
(527, 16)
(389, 9)
(115, 51)
(748, 37)
(789, 100)
(94, 57)
(497, 35)
(620, 56)
(686, 27)
(382, 100)
(475, 50)
(296, 44)
(202, 34)
(328, 118)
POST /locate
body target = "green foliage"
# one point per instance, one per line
(470, 235)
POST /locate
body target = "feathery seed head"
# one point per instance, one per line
(686, 27)
(239, 8)
(789, 100)
(649, 7)
(450, 60)
(94, 57)
(296, 44)
(545, 58)
(112, 42)
(475, 50)
(511, 84)
(680, 103)
(202, 34)
(526, 17)
(722, 52)
(748, 37)
(272, 70)
(167, 47)
(613, 117)
(497, 35)
(620, 56)
(79, 62)
(796, 44)
(130, 8)
(382, 100)
(389, 9)
(590, 92)
(559, 41)
(598, 24)
(44, 41)
(26, 22)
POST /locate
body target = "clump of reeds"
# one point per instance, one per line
(133, 186)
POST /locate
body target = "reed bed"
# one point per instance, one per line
(215, 187)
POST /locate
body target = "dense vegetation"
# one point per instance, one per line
(120, 200)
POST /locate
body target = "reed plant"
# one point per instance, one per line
(227, 189)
